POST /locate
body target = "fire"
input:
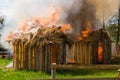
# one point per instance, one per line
(100, 53)
(66, 28)
(87, 31)
(51, 19)
(70, 60)
(10, 36)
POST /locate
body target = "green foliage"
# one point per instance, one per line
(112, 30)
(11, 74)
(1, 20)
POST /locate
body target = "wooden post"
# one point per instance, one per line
(118, 73)
(53, 72)
(64, 53)
(14, 58)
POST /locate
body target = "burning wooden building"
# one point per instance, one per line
(45, 45)
(38, 51)
(95, 48)
(48, 45)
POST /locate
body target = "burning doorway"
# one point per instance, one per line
(100, 52)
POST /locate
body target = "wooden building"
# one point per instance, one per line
(40, 50)
(93, 49)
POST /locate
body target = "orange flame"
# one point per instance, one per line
(52, 19)
(100, 53)
(87, 31)
(10, 36)
(70, 60)
(66, 28)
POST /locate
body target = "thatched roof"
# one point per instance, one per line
(98, 35)
(52, 35)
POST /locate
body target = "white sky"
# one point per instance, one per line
(3, 4)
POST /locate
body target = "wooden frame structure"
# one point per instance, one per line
(40, 50)
(48, 46)
(86, 51)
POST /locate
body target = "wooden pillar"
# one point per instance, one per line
(80, 53)
(53, 72)
(46, 57)
(43, 57)
(40, 57)
(73, 51)
(13, 56)
(36, 58)
(64, 53)
(26, 56)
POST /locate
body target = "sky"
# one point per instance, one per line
(4, 7)
(3, 4)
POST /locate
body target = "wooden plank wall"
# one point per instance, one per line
(87, 52)
(83, 53)
(38, 57)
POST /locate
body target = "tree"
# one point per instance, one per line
(1, 20)
(112, 31)
(1, 24)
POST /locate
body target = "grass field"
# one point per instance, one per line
(11, 74)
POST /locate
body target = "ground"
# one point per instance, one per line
(11, 74)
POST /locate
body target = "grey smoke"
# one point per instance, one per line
(92, 11)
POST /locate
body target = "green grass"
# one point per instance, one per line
(88, 73)
(11, 74)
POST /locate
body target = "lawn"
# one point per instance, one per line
(11, 74)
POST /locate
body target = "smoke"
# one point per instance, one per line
(23, 9)
(19, 10)
(106, 7)
(75, 12)
(84, 15)
(92, 11)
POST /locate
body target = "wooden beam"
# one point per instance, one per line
(85, 66)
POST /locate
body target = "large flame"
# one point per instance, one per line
(50, 20)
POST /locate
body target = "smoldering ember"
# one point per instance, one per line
(79, 36)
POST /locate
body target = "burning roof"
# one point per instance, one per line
(47, 28)
(50, 35)
(97, 35)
